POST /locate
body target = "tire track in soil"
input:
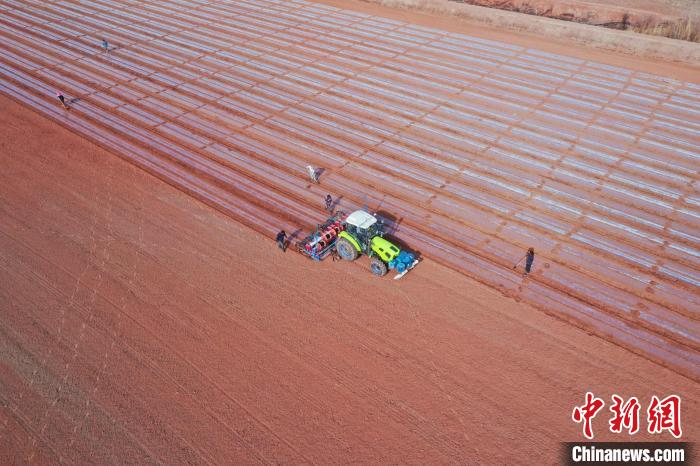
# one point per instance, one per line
(82, 314)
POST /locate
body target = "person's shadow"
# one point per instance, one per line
(74, 100)
(292, 239)
(294, 234)
(335, 203)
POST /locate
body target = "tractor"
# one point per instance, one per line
(363, 235)
(358, 233)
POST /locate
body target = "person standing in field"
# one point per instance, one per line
(529, 259)
(313, 174)
(105, 45)
(62, 99)
(282, 240)
(329, 203)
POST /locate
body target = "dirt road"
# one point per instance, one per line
(139, 325)
(612, 14)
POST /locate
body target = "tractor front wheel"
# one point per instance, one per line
(346, 250)
(378, 267)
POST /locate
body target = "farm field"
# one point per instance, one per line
(472, 149)
(140, 326)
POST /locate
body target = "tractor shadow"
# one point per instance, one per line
(390, 221)
(336, 203)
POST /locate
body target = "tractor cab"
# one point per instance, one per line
(362, 226)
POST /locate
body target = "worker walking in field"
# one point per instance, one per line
(282, 240)
(529, 259)
(62, 99)
(329, 203)
(105, 45)
(313, 174)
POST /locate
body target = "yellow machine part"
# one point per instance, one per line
(384, 249)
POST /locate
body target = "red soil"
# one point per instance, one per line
(139, 325)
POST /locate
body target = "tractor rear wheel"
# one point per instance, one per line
(378, 267)
(346, 250)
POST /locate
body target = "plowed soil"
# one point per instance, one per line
(138, 318)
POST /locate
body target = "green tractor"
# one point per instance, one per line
(363, 235)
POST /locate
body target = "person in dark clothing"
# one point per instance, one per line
(529, 259)
(329, 203)
(62, 99)
(105, 45)
(282, 240)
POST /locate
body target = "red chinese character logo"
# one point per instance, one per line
(587, 412)
(665, 415)
(625, 415)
